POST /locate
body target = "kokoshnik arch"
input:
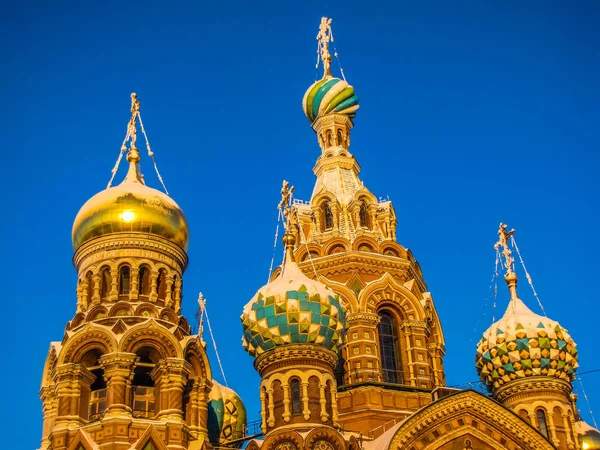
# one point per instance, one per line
(345, 336)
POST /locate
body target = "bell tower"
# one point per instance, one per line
(346, 238)
(128, 372)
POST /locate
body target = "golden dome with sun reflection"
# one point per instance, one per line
(131, 207)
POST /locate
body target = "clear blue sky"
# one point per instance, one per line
(471, 114)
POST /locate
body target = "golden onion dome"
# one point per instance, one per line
(131, 207)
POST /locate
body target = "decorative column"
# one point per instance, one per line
(271, 406)
(73, 383)
(286, 402)
(323, 402)
(197, 416)
(49, 410)
(96, 295)
(178, 285)
(169, 291)
(114, 284)
(153, 285)
(135, 288)
(171, 375)
(362, 363)
(118, 374)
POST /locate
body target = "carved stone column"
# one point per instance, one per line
(177, 295)
(49, 410)
(73, 383)
(114, 285)
(135, 288)
(96, 295)
(169, 291)
(118, 373)
(362, 363)
(197, 416)
(153, 285)
(171, 375)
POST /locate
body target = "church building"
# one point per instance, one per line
(345, 336)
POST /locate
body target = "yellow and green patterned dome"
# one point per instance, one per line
(292, 309)
(330, 95)
(524, 344)
(226, 415)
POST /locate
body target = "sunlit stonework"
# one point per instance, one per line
(345, 335)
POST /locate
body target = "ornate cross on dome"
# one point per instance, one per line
(200, 313)
(285, 205)
(503, 242)
(131, 127)
(324, 36)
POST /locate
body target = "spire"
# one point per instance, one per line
(285, 209)
(134, 173)
(324, 36)
(510, 277)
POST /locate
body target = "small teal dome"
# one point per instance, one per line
(330, 95)
(292, 309)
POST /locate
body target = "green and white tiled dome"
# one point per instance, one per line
(524, 344)
(327, 96)
(292, 309)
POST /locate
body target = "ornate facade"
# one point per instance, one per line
(345, 336)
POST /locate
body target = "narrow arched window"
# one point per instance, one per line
(90, 286)
(105, 283)
(161, 284)
(124, 280)
(391, 365)
(296, 401)
(543, 426)
(328, 216)
(364, 216)
(144, 280)
(340, 138)
(142, 385)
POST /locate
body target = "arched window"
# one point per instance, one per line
(105, 283)
(296, 401)
(391, 365)
(364, 216)
(161, 284)
(144, 280)
(142, 385)
(543, 426)
(340, 138)
(90, 287)
(97, 403)
(124, 280)
(327, 216)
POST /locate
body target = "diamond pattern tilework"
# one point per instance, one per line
(524, 344)
(292, 309)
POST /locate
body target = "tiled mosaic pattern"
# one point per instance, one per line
(520, 346)
(226, 415)
(292, 310)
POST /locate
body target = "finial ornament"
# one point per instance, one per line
(200, 313)
(285, 205)
(324, 36)
(131, 127)
(503, 242)
(510, 277)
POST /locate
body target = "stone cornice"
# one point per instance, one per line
(370, 319)
(134, 245)
(526, 387)
(295, 355)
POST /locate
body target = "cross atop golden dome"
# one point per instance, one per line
(131, 207)
(324, 36)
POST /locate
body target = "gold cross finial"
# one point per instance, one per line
(200, 313)
(503, 242)
(324, 36)
(285, 205)
(135, 110)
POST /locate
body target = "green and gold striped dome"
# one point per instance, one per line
(327, 96)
